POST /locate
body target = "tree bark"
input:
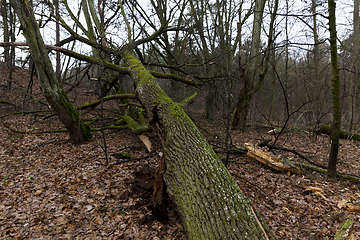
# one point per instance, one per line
(210, 203)
(335, 91)
(79, 132)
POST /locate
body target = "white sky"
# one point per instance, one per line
(298, 31)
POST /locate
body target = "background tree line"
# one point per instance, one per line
(213, 42)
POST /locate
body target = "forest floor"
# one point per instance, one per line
(52, 189)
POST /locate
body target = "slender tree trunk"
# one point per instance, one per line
(12, 33)
(5, 8)
(4, 14)
(57, 32)
(243, 104)
(79, 132)
(198, 9)
(336, 92)
(210, 203)
(316, 91)
(355, 68)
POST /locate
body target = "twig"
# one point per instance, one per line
(266, 144)
(25, 112)
(129, 160)
(39, 132)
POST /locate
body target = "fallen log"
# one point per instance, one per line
(210, 203)
(273, 162)
(269, 159)
(339, 175)
(326, 129)
(270, 146)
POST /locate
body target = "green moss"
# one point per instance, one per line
(125, 155)
(132, 124)
(183, 103)
(142, 119)
(142, 129)
(84, 128)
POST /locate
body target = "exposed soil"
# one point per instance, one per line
(52, 189)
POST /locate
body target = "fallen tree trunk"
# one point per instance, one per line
(268, 159)
(273, 162)
(210, 203)
(339, 175)
(270, 146)
(326, 129)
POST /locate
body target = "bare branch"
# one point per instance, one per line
(176, 78)
(73, 54)
(107, 98)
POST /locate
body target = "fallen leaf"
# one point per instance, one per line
(286, 210)
(342, 203)
(146, 141)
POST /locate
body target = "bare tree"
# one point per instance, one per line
(79, 132)
(252, 81)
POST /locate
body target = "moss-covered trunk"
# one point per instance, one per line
(79, 132)
(209, 201)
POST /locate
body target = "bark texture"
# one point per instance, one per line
(210, 203)
(79, 132)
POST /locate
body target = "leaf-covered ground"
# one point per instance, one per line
(52, 189)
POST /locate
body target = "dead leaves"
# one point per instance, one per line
(344, 203)
(317, 191)
(56, 191)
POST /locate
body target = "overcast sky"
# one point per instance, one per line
(298, 31)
